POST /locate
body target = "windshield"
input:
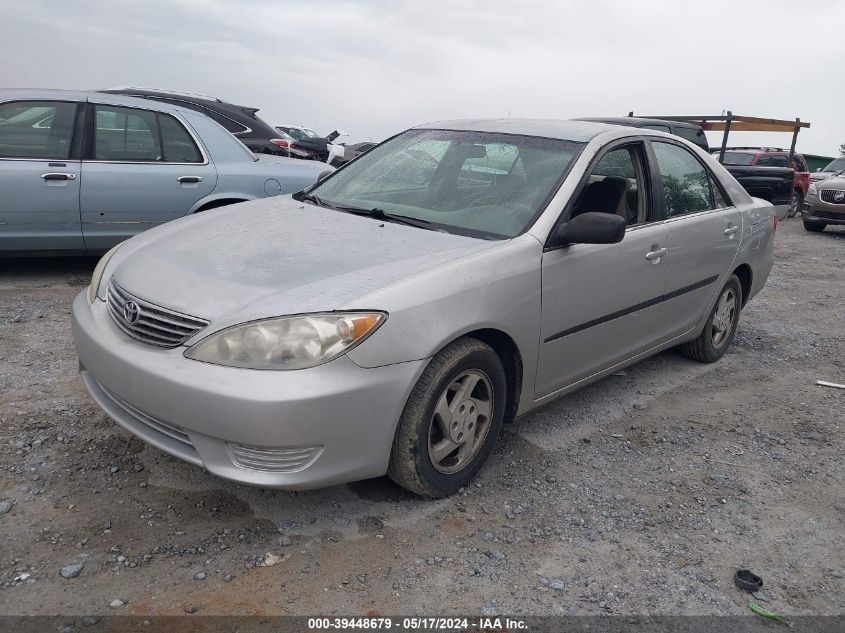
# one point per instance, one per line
(835, 165)
(298, 133)
(472, 183)
(736, 158)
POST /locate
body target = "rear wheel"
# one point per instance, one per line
(720, 328)
(814, 227)
(451, 420)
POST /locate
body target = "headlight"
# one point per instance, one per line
(812, 190)
(295, 342)
(94, 286)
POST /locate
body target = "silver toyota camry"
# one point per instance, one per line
(393, 316)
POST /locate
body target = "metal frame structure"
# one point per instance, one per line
(731, 121)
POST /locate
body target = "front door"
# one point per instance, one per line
(704, 234)
(143, 168)
(602, 302)
(39, 177)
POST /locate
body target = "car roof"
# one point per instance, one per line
(579, 131)
(36, 94)
(631, 121)
(184, 96)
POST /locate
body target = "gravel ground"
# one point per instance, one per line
(639, 494)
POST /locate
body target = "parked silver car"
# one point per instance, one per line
(391, 318)
(82, 171)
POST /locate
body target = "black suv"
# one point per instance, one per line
(241, 121)
(689, 131)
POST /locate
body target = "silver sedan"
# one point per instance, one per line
(392, 317)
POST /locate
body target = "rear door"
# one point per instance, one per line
(704, 233)
(141, 168)
(39, 176)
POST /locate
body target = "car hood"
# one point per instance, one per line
(820, 175)
(278, 256)
(836, 182)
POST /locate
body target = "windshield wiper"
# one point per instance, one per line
(381, 214)
(315, 199)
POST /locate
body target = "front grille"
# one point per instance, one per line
(830, 195)
(173, 432)
(277, 460)
(149, 323)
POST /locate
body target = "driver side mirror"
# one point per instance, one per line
(591, 228)
(324, 174)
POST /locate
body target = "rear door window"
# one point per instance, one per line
(126, 134)
(135, 135)
(177, 144)
(686, 183)
(36, 129)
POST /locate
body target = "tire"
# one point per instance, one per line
(795, 203)
(814, 227)
(424, 433)
(714, 340)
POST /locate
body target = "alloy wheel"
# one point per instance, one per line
(724, 317)
(461, 421)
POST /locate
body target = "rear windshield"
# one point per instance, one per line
(737, 158)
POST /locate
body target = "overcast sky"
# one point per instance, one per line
(373, 68)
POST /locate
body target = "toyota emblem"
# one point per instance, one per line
(131, 312)
(840, 196)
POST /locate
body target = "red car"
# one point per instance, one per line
(774, 157)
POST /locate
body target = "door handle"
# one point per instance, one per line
(731, 230)
(57, 176)
(185, 179)
(653, 255)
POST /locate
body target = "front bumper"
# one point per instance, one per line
(283, 429)
(815, 209)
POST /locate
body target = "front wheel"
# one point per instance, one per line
(814, 227)
(451, 420)
(720, 328)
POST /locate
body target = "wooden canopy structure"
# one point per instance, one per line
(730, 121)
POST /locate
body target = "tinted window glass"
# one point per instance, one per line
(772, 161)
(736, 158)
(659, 128)
(798, 163)
(126, 134)
(178, 145)
(686, 184)
(475, 183)
(231, 125)
(695, 135)
(36, 129)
